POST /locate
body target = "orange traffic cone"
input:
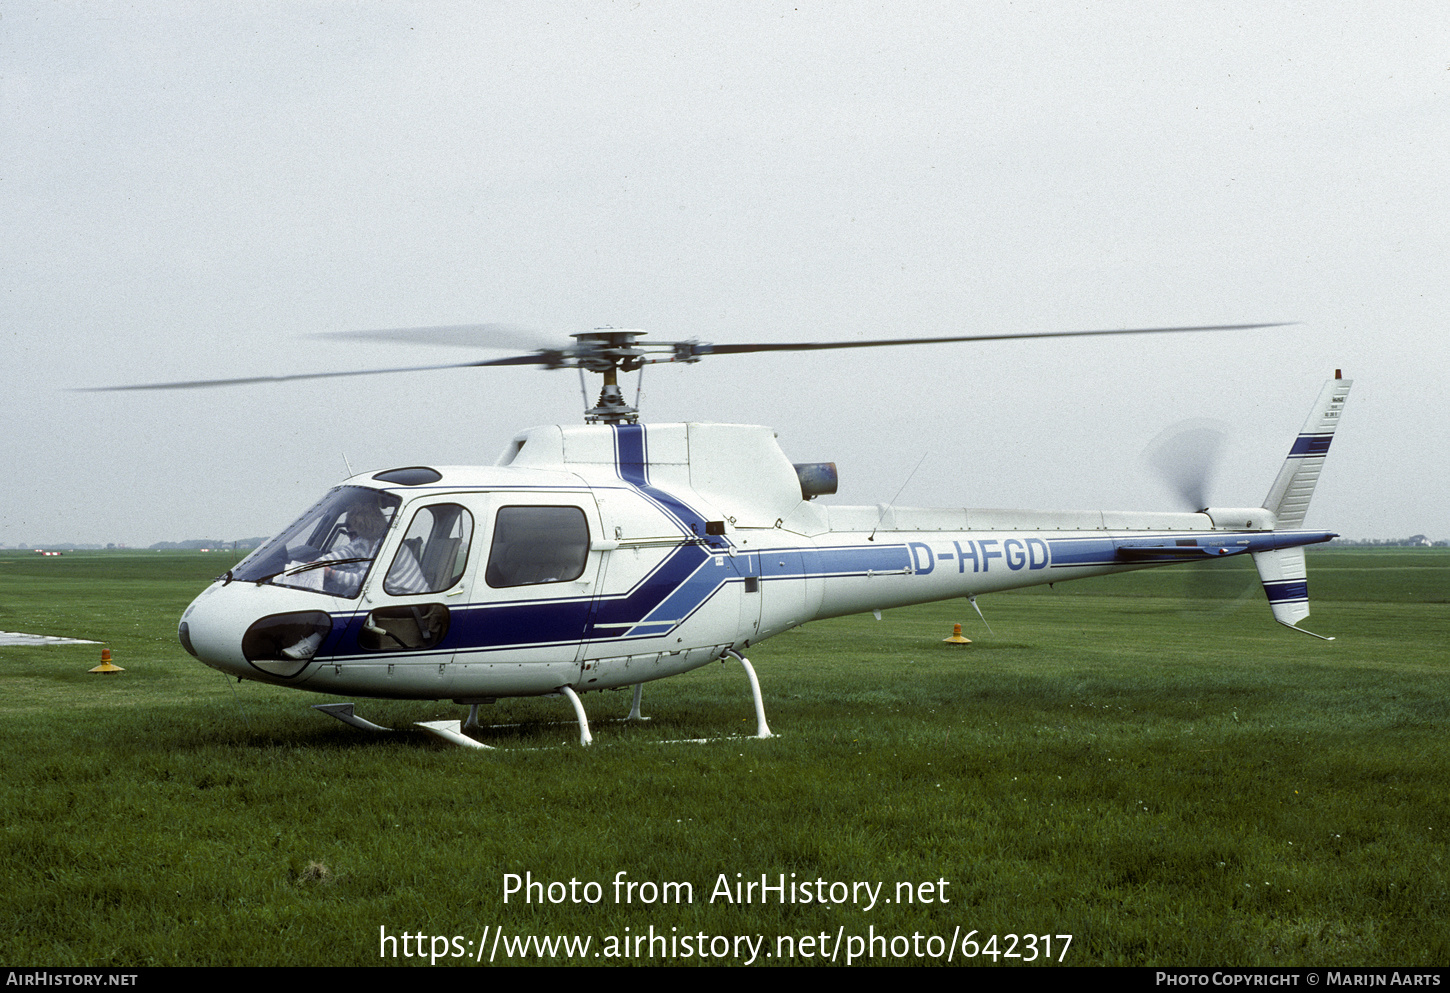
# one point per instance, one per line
(106, 665)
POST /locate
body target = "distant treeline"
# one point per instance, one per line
(198, 543)
(246, 544)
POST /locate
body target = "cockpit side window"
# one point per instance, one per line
(434, 552)
(533, 545)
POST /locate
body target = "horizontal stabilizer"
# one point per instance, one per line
(1181, 550)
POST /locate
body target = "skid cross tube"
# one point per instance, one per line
(762, 730)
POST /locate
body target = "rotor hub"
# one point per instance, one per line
(604, 350)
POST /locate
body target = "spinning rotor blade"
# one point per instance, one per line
(1185, 456)
(203, 383)
(605, 350)
(514, 337)
(707, 349)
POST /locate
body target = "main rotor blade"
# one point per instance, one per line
(581, 355)
(514, 337)
(534, 359)
(708, 349)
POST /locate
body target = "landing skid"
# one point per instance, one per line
(453, 731)
(343, 712)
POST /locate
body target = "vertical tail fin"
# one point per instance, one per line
(1288, 498)
(1282, 570)
(1286, 583)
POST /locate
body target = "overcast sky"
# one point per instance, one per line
(193, 190)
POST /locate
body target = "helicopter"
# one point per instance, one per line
(612, 553)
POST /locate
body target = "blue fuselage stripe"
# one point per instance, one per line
(632, 465)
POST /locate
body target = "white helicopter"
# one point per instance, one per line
(608, 554)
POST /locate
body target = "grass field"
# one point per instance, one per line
(1146, 763)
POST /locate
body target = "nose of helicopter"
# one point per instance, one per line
(212, 628)
(258, 632)
(209, 634)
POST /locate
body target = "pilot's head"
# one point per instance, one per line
(365, 520)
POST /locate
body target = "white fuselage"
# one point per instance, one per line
(600, 556)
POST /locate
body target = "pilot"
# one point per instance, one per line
(365, 524)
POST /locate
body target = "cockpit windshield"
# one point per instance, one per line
(330, 548)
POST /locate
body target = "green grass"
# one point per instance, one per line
(1170, 781)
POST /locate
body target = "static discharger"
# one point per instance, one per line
(956, 638)
(106, 665)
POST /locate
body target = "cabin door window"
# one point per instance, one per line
(430, 559)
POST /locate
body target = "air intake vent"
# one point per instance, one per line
(413, 475)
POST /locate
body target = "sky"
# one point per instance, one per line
(199, 190)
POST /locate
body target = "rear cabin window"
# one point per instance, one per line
(533, 545)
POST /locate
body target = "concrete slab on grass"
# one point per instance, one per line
(12, 638)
